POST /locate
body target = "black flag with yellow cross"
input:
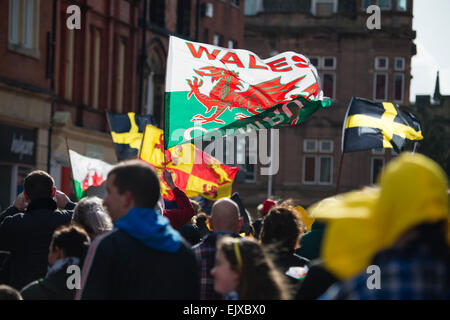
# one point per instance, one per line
(371, 125)
(127, 130)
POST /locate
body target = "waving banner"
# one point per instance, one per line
(210, 88)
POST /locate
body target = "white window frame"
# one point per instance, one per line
(381, 68)
(385, 87)
(317, 169)
(314, 2)
(319, 64)
(305, 143)
(217, 37)
(372, 160)
(322, 79)
(403, 87)
(406, 6)
(395, 64)
(385, 8)
(23, 33)
(231, 44)
(328, 68)
(326, 151)
(318, 166)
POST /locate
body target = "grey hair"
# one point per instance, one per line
(90, 214)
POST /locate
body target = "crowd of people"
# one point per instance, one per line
(129, 246)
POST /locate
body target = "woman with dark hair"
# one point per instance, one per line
(243, 271)
(67, 248)
(281, 230)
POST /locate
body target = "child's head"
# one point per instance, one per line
(242, 266)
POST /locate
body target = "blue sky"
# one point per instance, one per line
(432, 24)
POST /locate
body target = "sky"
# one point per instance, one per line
(432, 25)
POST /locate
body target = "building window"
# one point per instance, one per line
(244, 157)
(401, 5)
(384, 4)
(24, 26)
(329, 63)
(324, 8)
(381, 63)
(235, 2)
(120, 76)
(315, 61)
(328, 79)
(218, 40)
(69, 64)
(232, 44)
(318, 168)
(328, 84)
(309, 145)
(157, 10)
(326, 146)
(184, 17)
(376, 168)
(399, 86)
(380, 86)
(366, 4)
(399, 64)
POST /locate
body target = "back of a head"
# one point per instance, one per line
(9, 293)
(72, 240)
(283, 227)
(38, 184)
(139, 179)
(259, 279)
(225, 216)
(90, 214)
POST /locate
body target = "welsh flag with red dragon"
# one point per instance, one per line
(213, 91)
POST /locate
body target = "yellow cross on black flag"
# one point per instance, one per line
(127, 130)
(370, 125)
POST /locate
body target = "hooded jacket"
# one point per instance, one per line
(142, 258)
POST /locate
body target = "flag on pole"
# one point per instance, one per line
(370, 125)
(126, 131)
(214, 90)
(87, 172)
(193, 171)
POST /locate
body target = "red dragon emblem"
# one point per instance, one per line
(257, 98)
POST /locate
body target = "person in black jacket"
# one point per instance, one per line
(67, 251)
(26, 228)
(143, 257)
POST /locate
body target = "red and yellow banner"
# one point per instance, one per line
(193, 171)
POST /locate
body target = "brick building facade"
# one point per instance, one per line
(56, 84)
(352, 61)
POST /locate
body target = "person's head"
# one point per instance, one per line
(243, 266)
(225, 216)
(90, 214)
(9, 293)
(267, 205)
(282, 227)
(130, 184)
(68, 241)
(201, 221)
(39, 184)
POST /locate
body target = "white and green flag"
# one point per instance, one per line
(87, 172)
(211, 89)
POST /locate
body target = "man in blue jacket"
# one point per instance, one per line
(26, 228)
(143, 257)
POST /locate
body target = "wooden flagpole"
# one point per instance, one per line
(71, 169)
(339, 173)
(142, 140)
